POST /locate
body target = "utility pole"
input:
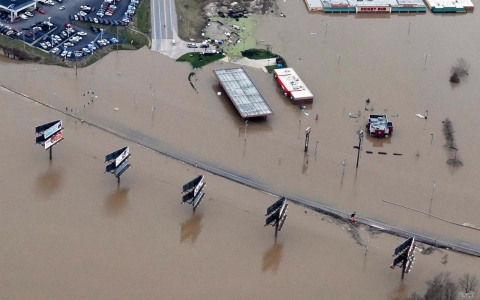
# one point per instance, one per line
(246, 124)
(408, 34)
(360, 137)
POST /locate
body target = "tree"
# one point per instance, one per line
(448, 134)
(441, 288)
(468, 283)
(459, 70)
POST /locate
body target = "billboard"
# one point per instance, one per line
(122, 168)
(198, 199)
(122, 156)
(53, 129)
(192, 183)
(275, 206)
(57, 137)
(198, 187)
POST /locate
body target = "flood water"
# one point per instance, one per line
(93, 232)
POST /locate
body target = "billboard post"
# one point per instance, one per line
(193, 191)
(307, 138)
(404, 256)
(117, 162)
(49, 134)
(277, 214)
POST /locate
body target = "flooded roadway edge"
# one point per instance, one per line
(474, 251)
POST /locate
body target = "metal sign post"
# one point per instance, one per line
(307, 138)
(360, 137)
(277, 214)
(404, 256)
(50, 134)
(194, 191)
(117, 162)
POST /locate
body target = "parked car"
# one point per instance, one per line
(82, 33)
(190, 45)
(54, 50)
(40, 10)
(28, 14)
(24, 17)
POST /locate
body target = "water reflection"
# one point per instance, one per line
(190, 229)
(272, 258)
(117, 201)
(48, 182)
(399, 292)
(378, 142)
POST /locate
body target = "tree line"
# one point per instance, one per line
(443, 287)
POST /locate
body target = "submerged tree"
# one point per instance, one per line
(448, 134)
(441, 287)
(468, 283)
(459, 69)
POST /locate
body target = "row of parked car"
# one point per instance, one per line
(9, 31)
(107, 8)
(88, 49)
(98, 20)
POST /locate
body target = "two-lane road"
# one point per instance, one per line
(162, 14)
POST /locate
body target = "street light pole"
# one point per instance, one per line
(360, 136)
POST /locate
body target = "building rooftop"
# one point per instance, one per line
(18, 3)
(293, 83)
(243, 93)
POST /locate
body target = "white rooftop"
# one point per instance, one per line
(333, 3)
(293, 83)
(373, 3)
(244, 94)
(314, 3)
(450, 3)
(411, 2)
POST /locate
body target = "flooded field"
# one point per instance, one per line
(147, 96)
(71, 233)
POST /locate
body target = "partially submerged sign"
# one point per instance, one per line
(49, 134)
(277, 214)
(54, 139)
(194, 191)
(404, 256)
(117, 162)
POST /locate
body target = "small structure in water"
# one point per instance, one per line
(292, 86)
(378, 126)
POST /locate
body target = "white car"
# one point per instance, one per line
(95, 20)
(24, 17)
(85, 7)
(69, 54)
(82, 13)
(82, 33)
(54, 50)
(48, 44)
(28, 14)
(62, 7)
(43, 45)
(86, 50)
(64, 53)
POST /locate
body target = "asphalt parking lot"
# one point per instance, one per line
(49, 31)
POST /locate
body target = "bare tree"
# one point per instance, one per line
(468, 283)
(448, 134)
(459, 69)
(441, 288)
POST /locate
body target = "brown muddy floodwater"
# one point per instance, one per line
(68, 227)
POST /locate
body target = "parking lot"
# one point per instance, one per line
(50, 27)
